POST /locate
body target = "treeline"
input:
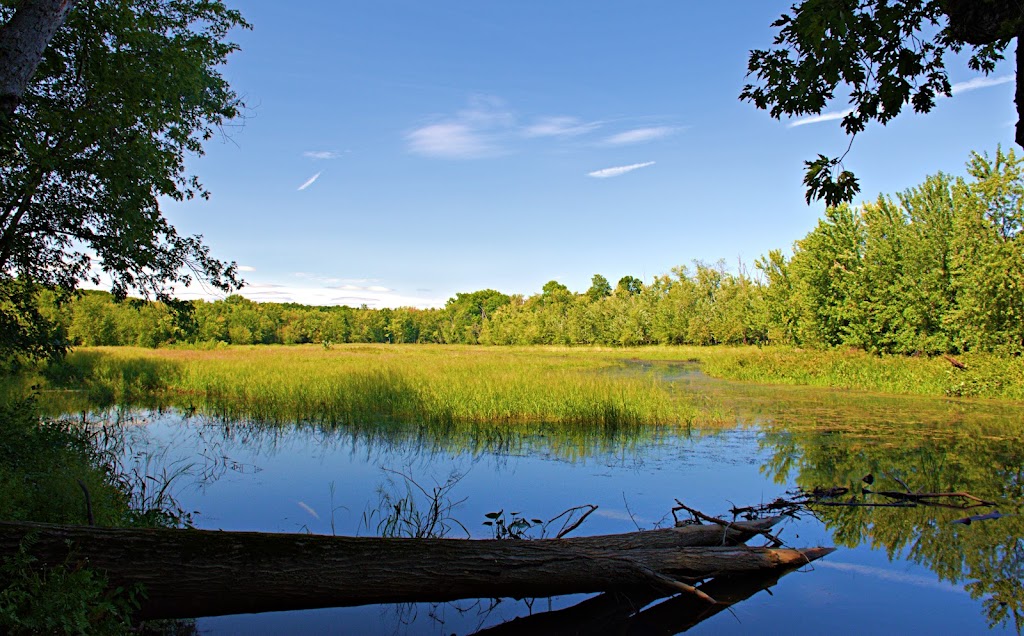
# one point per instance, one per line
(940, 268)
(936, 269)
(709, 307)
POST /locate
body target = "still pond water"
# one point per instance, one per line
(897, 570)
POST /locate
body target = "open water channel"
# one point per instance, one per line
(897, 570)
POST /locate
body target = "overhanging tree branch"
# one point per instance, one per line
(887, 55)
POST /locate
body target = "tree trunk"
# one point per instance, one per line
(1018, 93)
(22, 43)
(981, 22)
(188, 573)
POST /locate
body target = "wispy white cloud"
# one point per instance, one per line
(619, 515)
(246, 268)
(890, 575)
(559, 127)
(321, 154)
(640, 135)
(351, 287)
(451, 140)
(604, 173)
(314, 291)
(981, 82)
(487, 111)
(960, 87)
(308, 508)
(471, 133)
(346, 284)
(817, 119)
(487, 128)
(310, 181)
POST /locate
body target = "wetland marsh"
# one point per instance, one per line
(535, 431)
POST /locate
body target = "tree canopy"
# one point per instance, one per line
(885, 54)
(124, 92)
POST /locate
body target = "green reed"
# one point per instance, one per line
(985, 376)
(383, 383)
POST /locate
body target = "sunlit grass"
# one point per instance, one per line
(986, 375)
(587, 388)
(355, 384)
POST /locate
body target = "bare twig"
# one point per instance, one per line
(900, 482)
(920, 496)
(864, 504)
(566, 529)
(630, 512)
(775, 541)
(956, 363)
(780, 505)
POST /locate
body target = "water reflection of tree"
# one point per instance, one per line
(986, 459)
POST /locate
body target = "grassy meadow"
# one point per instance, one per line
(353, 384)
(439, 384)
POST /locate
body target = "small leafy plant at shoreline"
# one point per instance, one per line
(54, 472)
(69, 599)
(409, 510)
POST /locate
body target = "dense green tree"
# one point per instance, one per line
(781, 315)
(92, 322)
(511, 324)
(884, 55)
(630, 319)
(123, 93)
(599, 288)
(554, 292)
(676, 306)
(406, 325)
(338, 325)
(824, 268)
(988, 258)
(930, 211)
(878, 320)
(937, 269)
(629, 285)
(738, 309)
(465, 315)
(211, 321)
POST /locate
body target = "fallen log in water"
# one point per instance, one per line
(189, 573)
(627, 613)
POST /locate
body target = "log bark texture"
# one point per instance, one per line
(190, 573)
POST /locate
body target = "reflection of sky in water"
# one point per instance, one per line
(281, 481)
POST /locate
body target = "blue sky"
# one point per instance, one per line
(395, 153)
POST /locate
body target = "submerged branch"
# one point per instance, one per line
(923, 497)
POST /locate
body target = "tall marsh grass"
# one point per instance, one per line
(985, 376)
(356, 384)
